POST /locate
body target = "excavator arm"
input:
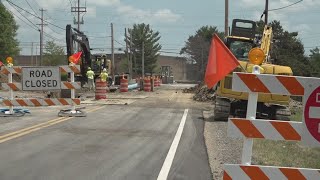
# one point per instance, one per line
(266, 41)
(72, 36)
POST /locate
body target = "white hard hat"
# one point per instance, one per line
(104, 69)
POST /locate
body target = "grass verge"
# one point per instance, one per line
(286, 153)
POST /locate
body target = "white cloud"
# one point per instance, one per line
(302, 28)
(48, 5)
(91, 12)
(136, 15)
(104, 2)
(131, 14)
(252, 3)
(166, 15)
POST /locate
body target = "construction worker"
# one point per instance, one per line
(104, 75)
(90, 76)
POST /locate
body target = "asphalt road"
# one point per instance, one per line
(113, 142)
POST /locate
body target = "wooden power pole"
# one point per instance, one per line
(266, 12)
(226, 19)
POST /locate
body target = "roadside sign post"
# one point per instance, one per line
(11, 92)
(251, 114)
(307, 131)
(73, 93)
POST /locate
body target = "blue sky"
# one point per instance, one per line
(176, 20)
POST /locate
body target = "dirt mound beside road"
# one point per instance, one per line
(201, 93)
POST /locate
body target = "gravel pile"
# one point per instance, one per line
(202, 93)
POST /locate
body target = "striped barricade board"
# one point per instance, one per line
(264, 129)
(41, 102)
(69, 69)
(243, 172)
(307, 87)
(12, 70)
(307, 131)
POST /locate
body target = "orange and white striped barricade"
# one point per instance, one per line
(236, 171)
(36, 73)
(307, 131)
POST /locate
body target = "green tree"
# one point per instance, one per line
(9, 45)
(53, 55)
(143, 34)
(288, 50)
(197, 47)
(315, 61)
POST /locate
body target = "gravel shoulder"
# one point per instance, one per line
(221, 149)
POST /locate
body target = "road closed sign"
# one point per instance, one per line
(311, 114)
(41, 78)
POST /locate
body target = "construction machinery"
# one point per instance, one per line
(97, 62)
(243, 42)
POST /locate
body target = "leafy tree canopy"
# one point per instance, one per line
(315, 61)
(54, 55)
(9, 45)
(197, 47)
(143, 34)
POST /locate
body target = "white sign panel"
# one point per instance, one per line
(311, 113)
(41, 78)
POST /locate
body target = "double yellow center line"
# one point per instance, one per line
(25, 131)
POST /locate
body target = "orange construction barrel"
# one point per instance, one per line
(147, 85)
(156, 82)
(123, 85)
(101, 89)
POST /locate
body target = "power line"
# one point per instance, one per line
(285, 6)
(36, 27)
(31, 6)
(11, 3)
(36, 3)
(119, 43)
(24, 21)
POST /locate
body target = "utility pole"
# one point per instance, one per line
(112, 53)
(78, 10)
(128, 56)
(32, 63)
(78, 15)
(226, 18)
(132, 57)
(142, 60)
(266, 12)
(41, 36)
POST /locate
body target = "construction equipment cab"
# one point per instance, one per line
(242, 41)
(97, 62)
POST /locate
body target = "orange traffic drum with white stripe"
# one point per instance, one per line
(101, 89)
(123, 85)
(147, 85)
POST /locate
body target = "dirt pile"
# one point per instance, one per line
(201, 93)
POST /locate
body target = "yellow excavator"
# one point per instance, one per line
(244, 43)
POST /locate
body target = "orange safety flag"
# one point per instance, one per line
(75, 57)
(221, 62)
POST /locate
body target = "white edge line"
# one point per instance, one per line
(173, 148)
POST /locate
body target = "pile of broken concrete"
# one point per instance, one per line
(201, 93)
